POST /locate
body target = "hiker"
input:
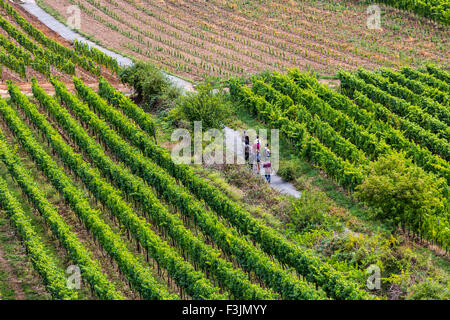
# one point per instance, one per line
(267, 151)
(247, 146)
(258, 143)
(255, 148)
(246, 138)
(258, 162)
(247, 152)
(267, 166)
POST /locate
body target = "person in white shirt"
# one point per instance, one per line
(267, 151)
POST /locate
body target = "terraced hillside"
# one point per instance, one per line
(31, 50)
(88, 183)
(179, 237)
(224, 38)
(379, 114)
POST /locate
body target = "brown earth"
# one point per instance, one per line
(7, 74)
(216, 38)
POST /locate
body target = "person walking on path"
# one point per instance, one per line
(258, 162)
(253, 152)
(258, 143)
(267, 166)
(247, 146)
(267, 151)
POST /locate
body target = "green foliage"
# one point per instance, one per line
(196, 285)
(426, 78)
(116, 98)
(166, 186)
(438, 10)
(137, 275)
(311, 210)
(43, 261)
(405, 193)
(151, 85)
(383, 122)
(440, 115)
(309, 147)
(419, 88)
(429, 290)
(51, 51)
(439, 73)
(96, 55)
(205, 257)
(12, 63)
(287, 171)
(306, 263)
(316, 114)
(332, 131)
(204, 105)
(391, 109)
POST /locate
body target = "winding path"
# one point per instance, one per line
(231, 136)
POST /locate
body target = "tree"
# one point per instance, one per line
(404, 193)
(151, 86)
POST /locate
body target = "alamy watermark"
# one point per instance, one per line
(374, 279)
(215, 146)
(74, 277)
(374, 17)
(74, 17)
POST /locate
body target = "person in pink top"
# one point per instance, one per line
(267, 166)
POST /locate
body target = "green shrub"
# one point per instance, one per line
(312, 210)
(203, 105)
(405, 194)
(429, 290)
(287, 171)
(151, 85)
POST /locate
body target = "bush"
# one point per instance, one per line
(405, 194)
(429, 290)
(151, 85)
(203, 105)
(311, 210)
(287, 171)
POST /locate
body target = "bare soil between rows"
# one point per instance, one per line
(198, 38)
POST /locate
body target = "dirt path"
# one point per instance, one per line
(11, 277)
